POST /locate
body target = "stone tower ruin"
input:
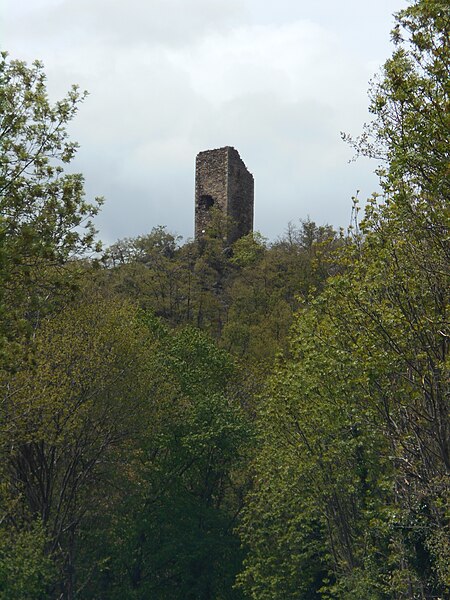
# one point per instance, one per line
(223, 181)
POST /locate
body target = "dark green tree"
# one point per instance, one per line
(174, 535)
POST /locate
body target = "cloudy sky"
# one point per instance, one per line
(277, 79)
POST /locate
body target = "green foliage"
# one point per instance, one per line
(145, 249)
(67, 414)
(411, 105)
(25, 568)
(270, 283)
(144, 424)
(354, 425)
(41, 207)
(44, 217)
(249, 250)
(173, 537)
(407, 242)
(320, 472)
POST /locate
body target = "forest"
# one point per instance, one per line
(185, 421)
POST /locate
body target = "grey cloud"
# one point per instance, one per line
(114, 22)
(293, 150)
(169, 78)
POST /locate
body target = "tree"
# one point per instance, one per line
(268, 283)
(407, 242)
(26, 570)
(319, 472)
(44, 218)
(354, 429)
(44, 224)
(410, 102)
(67, 415)
(174, 535)
(149, 270)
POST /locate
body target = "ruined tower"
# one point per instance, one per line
(223, 181)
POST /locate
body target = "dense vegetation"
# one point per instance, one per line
(192, 421)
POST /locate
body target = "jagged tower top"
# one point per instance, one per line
(222, 180)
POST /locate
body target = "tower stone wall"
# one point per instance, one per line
(222, 180)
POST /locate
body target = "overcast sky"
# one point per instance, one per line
(277, 79)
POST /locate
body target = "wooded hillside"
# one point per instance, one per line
(195, 421)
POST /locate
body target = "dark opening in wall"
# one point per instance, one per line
(206, 201)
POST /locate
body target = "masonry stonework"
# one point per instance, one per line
(223, 181)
